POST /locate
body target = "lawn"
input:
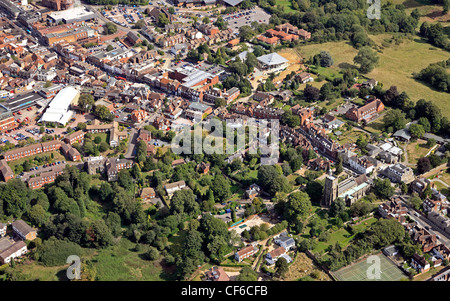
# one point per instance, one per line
(446, 177)
(375, 127)
(342, 236)
(287, 4)
(351, 136)
(364, 225)
(341, 52)
(330, 105)
(37, 272)
(416, 150)
(103, 136)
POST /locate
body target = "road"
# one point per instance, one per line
(132, 144)
(424, 222)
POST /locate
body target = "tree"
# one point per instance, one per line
(315, 191)
(395, 119)
(298, 206)
(337, 207)
(367, 59)
(311, 93)
(103, 113)
(339, 167)
(325, 59)
(162, 20)
(383, 188)
(86, 102)
(247, 274)
(281, 267)
(416, 130)
(246, 33)
(152, 253)
(54, 252)
(423, 165)
(221, 188)
(109, 28)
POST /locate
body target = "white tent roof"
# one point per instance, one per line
(58, 109)
(272, 59)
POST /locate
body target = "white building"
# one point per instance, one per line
(2, 229)
(272, 62)
(58, 109)
(16, 250)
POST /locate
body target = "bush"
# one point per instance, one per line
(54, 252)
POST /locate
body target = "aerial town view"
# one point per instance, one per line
(195, 141)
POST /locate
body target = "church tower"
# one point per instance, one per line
(330, 192)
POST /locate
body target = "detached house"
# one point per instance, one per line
(245, 253)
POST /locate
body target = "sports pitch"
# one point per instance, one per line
(358, 271)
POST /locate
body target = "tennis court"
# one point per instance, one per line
(358, 271)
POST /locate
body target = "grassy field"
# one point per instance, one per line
(304, 266)
(122, 263)
(287, 4)
(342, 236)
(398, 62)
(36, 272)
(396, 65)
(416, 150)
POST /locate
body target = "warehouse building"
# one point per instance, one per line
(58, 109)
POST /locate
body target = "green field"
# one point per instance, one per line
(122, 263)
(358, 271)
(342, 236)
(287, 4)
(396, 65)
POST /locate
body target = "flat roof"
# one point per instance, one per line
(72, 13)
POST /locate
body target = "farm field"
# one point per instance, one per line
(396, 65)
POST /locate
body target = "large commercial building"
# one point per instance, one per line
(58, 109)
(272, 62)
(69, 36)
(76, 14)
